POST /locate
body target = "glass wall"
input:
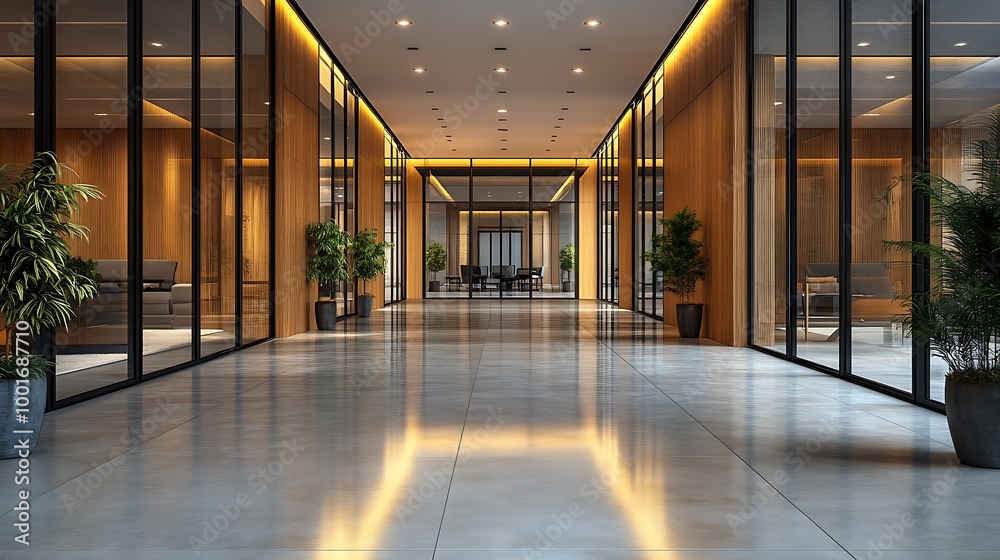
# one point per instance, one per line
(822, 233)
(92, 137)
(607, 203)
(181, 239)
(964, 88)
(503, 229)
(649, 191)
(395, 211)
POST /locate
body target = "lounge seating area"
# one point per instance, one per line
(165, 304)
(873, 298)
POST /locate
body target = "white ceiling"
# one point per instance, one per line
(457, 42)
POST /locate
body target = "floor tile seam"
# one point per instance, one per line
(461, 439)
(128, 451)
(872, 414)
(706, 428)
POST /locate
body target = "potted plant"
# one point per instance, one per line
(327, 266)
(567, 262)
(40, 285)
(959, 316)
(437, 260)
(677, 255)
(367, 262)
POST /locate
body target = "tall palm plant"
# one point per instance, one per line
(40, 283)
(959, 317)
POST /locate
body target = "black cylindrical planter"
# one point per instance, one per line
(365, 305)
(326, 315)
(974, 421)
(567, 286)
(435, 286)
(689, 319)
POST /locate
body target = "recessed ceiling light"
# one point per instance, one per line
(500, 69)
(960, 44)
(863, 44)
(267, 103)
(586, 49)
(403, 22)
(502, 130)
(499, 48)
(429, 91)
(551, 140)
(413, 48)
(890, 77)
(561, 119)
(454, 149)
(501, 23)
(871, 114)
(503, 149)
(435, 109)
(592, 22)
(501, 92)
(444, 126)
(564, 109)
(502, 120)
(579, 70)
(100, 114)
(156, 44)
(340, 196)
(327, 138)
(503, 139)
(557, 126)
(777, 102)
(440, 118)
(448, 136)
(501, 110)
(547, 150)
(419, 70)
(570, 92)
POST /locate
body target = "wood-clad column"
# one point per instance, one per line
(296, 169)
(626, 213)
(586, 257)
(371, 187)
(414, 233)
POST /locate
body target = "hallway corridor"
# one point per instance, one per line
(483, 430)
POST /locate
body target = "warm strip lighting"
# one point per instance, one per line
(501, 110)
(440, 188)
(563, 189)
(871, 114)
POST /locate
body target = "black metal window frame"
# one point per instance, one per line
(920, 54)
(45, 61)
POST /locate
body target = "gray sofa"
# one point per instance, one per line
(110, 307)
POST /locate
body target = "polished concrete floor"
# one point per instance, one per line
(481, 430)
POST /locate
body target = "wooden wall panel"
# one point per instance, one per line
(16, 145)
(626, 213)
(166, 202)
(704, 139)
(693, 158)
(586, 257)
(767, 281)
(296, 170)
(414, 233)
(105, 165)
(371, 186)
(701, 55)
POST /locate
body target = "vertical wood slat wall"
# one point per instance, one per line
(414, 233)
(296, 169)
(704, 91)
(371, 187)
(626, 212)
